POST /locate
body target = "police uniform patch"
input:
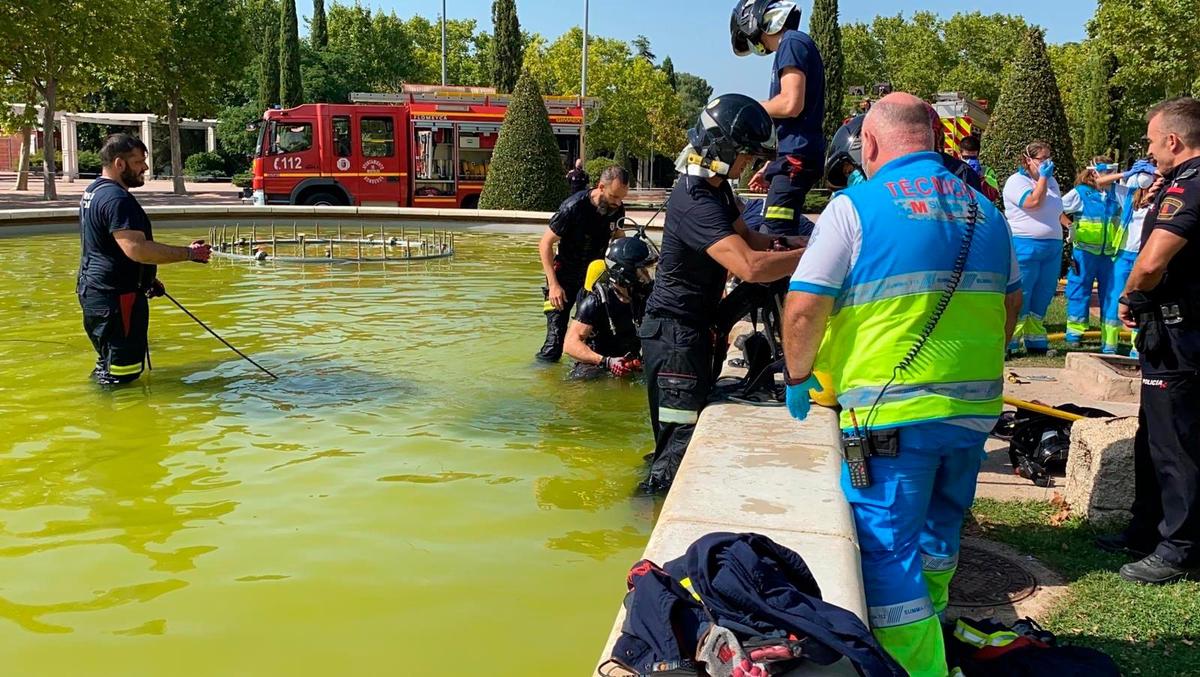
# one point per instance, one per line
(1169, 207)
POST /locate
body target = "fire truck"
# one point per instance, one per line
(961, 117)
(428, 146)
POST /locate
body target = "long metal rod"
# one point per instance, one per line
(1042, 409)
(218, 336)
(443, 43)
(583, 87)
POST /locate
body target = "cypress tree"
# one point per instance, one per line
(319, 33)
(825, 31)
(268, 65)
(507, 55)
(668, 69)
(526, 172)
(291, 91)
(1098, 137)
(1030, 108)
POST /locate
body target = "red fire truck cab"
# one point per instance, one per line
(425, 147)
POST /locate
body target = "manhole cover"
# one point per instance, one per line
(987, 579)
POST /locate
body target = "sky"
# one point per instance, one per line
(695, 34)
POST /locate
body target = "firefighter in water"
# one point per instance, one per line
(119, 261)
(603, 336)
(582, 228)
(796, 104)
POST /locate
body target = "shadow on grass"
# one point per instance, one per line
(1148, 630)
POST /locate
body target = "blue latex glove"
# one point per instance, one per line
(1140, 167)
(1046, 169)
(797, 397)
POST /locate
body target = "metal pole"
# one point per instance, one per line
(583, 88)
(443, 43)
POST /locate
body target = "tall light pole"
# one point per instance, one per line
(443, 43)
(583, 88)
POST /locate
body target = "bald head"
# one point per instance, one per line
(898, 124)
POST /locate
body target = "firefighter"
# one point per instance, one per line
(603, 336)
(582, 228)
(797, 104)
(119, 262)
(877, 290)
(704, 239)
(843, 166)
(1162, 299)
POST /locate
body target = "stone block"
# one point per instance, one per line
(1100, 469)
(1111, 378)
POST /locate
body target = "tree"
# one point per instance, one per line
(641, 45)
(1070, 63)
(1100, 134)
(60, 49)
(507, 47)
(268, 64)
(668, 70)
(981, 46)
(694, 93)
(526, 172)
(914, 53)
(195, 48)
(291, 89)
(823, 26)
(1029, 109)
(21, 124)
(318, 33)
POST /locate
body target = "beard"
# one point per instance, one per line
(132, 179)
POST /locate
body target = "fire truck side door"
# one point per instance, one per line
(291, 156)
(377, 163)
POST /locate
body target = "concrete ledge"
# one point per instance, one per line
(1096, 376)
(755, 469)
(64, 219)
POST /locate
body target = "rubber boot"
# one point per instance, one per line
(552, 349)
(918, 647)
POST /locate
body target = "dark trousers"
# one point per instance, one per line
(1166, 450)
(791, 179)
(678, 366)
(557, 320)
(117, 325)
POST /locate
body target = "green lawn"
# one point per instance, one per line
(1148, 630)
(1056, 321)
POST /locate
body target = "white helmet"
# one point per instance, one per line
(752, 19)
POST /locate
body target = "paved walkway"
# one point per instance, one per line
(155, 192)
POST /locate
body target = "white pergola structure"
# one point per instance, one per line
(68, 128)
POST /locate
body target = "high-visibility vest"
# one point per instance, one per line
(913, 214)
(1098, 227)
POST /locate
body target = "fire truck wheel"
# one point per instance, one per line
(322, 199)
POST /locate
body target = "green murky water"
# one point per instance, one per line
(413, 496)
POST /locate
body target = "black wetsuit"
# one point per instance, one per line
(111, 286)
(614, 328)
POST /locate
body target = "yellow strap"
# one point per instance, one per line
(780, 213)
(687, 583)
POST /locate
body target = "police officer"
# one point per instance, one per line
(704, 239)
(797, 104)
(915, 276)
(582, 228)
(603, 336)
(1162, 299)
(119, 260)
(578, 178)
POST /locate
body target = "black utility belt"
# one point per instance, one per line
(858, 448)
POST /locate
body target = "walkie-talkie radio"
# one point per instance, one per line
(854, 452)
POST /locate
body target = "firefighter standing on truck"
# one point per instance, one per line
(118, 262)
(797, 104)
(916, 276)
(1162, 299)
(582, 228)
(704, 239)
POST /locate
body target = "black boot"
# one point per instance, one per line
(1122, 544)
(1154, 570)
(552, 349)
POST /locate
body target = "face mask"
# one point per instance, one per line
(973, 163)
(1141, 181)
(856, 177)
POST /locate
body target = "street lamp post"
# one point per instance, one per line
(583, 88)
(443, 43)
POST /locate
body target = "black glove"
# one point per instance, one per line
(155, 289)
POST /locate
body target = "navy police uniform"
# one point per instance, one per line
(801, 139)
(677, 337)
(614, 328)
(585, 234)
(111, 286)
(1166, 507)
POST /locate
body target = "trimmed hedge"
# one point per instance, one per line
(596, 166)
(204, 166)
(89, 163)
(526, 172)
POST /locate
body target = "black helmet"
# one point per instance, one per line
(753, 18)
(728, 126)
(628, 259)
(846, 146)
